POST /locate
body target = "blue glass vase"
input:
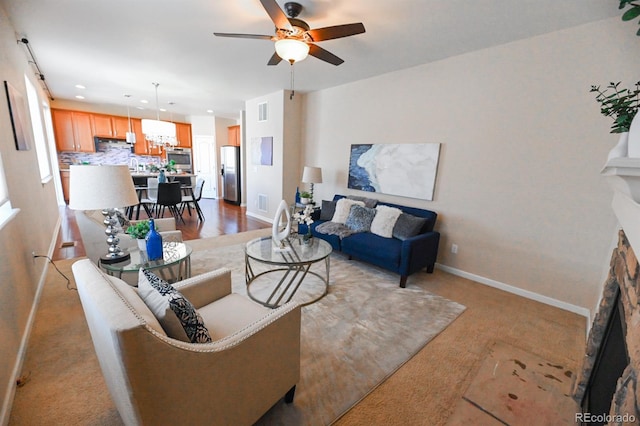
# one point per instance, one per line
(162, 178)
(154, 242)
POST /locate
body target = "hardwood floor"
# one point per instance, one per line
(220, 218)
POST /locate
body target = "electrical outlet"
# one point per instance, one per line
(454, 248)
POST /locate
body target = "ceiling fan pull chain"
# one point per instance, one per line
(292, 91)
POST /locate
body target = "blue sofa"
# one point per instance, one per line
(403, 257)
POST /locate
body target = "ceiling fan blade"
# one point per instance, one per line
(254, 36)
(275, 59)
(276, 14)
(325, 55)
(337, 31)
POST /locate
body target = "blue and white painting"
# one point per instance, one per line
(407, 170)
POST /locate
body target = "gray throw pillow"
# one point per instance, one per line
(164, 300)
(408, 226)
(327, 210)
(360, 218)
(368, 202)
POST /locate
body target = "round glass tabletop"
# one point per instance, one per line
(172, 254)
(295, 251)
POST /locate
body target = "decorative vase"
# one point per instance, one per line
(162, 178)
(307, 238)
(304, 200)
(278, 232)
(622, 147)
(634, 138)
(154, 242)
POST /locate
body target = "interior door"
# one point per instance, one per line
(204, 158)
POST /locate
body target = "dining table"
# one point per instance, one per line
(140, 184)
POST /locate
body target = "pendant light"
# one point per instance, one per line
(131, 136)
(156, 131)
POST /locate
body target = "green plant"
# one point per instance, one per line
(632, 13)
(305, 194)
(138, 229)
(622, 105)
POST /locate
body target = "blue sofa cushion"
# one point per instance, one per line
(408, 226)
(381, 251)
(360, 218)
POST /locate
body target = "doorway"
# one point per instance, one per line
(204, 157)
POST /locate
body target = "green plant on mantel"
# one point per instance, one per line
(632, 13)
(621, 104)
(138, 230)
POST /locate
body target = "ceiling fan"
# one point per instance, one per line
(294, 39)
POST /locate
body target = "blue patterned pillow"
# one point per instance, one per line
(164, 300)
(360, 218)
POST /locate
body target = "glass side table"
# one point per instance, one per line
(175, 264)
(285, 270)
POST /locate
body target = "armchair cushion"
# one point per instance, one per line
(176, 314)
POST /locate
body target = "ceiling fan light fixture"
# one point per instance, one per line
(292, 50)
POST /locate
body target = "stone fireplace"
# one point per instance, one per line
(607, 385)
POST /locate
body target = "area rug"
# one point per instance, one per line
(513, 384)
(360, 333)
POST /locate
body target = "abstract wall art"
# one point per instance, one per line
(407, 170)
(262, 151)
(18, 114)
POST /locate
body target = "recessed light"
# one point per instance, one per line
(163, 109)
(80, 86)
(210, 111)
(144, 101)
(79, 97)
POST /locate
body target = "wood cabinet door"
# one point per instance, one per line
(102, 125)
(63, 129)
(64, 179)
(183, 134)
(234, 135)
(120, 127)
(141, 147)
(83, 132)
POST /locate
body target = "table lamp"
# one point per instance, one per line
(312, 175)
(103, 188)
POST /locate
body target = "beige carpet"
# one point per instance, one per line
(359, 334)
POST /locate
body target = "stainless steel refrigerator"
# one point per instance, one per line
(230, 171)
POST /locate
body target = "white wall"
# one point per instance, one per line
(33, 229)
(518, 186)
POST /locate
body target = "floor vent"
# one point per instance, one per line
(262, 202)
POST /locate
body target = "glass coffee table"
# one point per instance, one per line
(175, 264)
(274, 275)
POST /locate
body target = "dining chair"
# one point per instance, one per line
(170, 196)
(192, 199)
(149, 200)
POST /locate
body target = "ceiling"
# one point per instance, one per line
(118, 47)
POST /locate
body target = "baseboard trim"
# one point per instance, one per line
(257, 216)
(518, 291)
(22, 351)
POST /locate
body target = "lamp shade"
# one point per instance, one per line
(292, 50)
(312, 175)
(101, 187)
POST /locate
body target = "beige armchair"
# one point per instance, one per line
(253, 361)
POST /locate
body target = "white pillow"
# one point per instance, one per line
(343, 207)
(384, 220)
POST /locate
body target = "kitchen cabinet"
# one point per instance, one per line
(183, 134)
(120, 127)
(73, 130)
(142, 146)
(64, 178)
(110, 126)
(234, 135)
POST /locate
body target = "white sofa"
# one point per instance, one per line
(253, 361)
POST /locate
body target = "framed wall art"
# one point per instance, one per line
(407, 170)
(18, 115)
(262, 151)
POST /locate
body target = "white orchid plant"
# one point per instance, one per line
(305, 216)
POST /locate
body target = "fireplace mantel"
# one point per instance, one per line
(623, 175)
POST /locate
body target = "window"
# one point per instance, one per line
(38, 131)
(262, 111)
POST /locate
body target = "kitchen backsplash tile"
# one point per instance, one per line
(106, 154)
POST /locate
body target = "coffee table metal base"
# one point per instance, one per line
(288, 284)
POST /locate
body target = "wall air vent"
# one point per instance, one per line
(262, 111)
(263, 202)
